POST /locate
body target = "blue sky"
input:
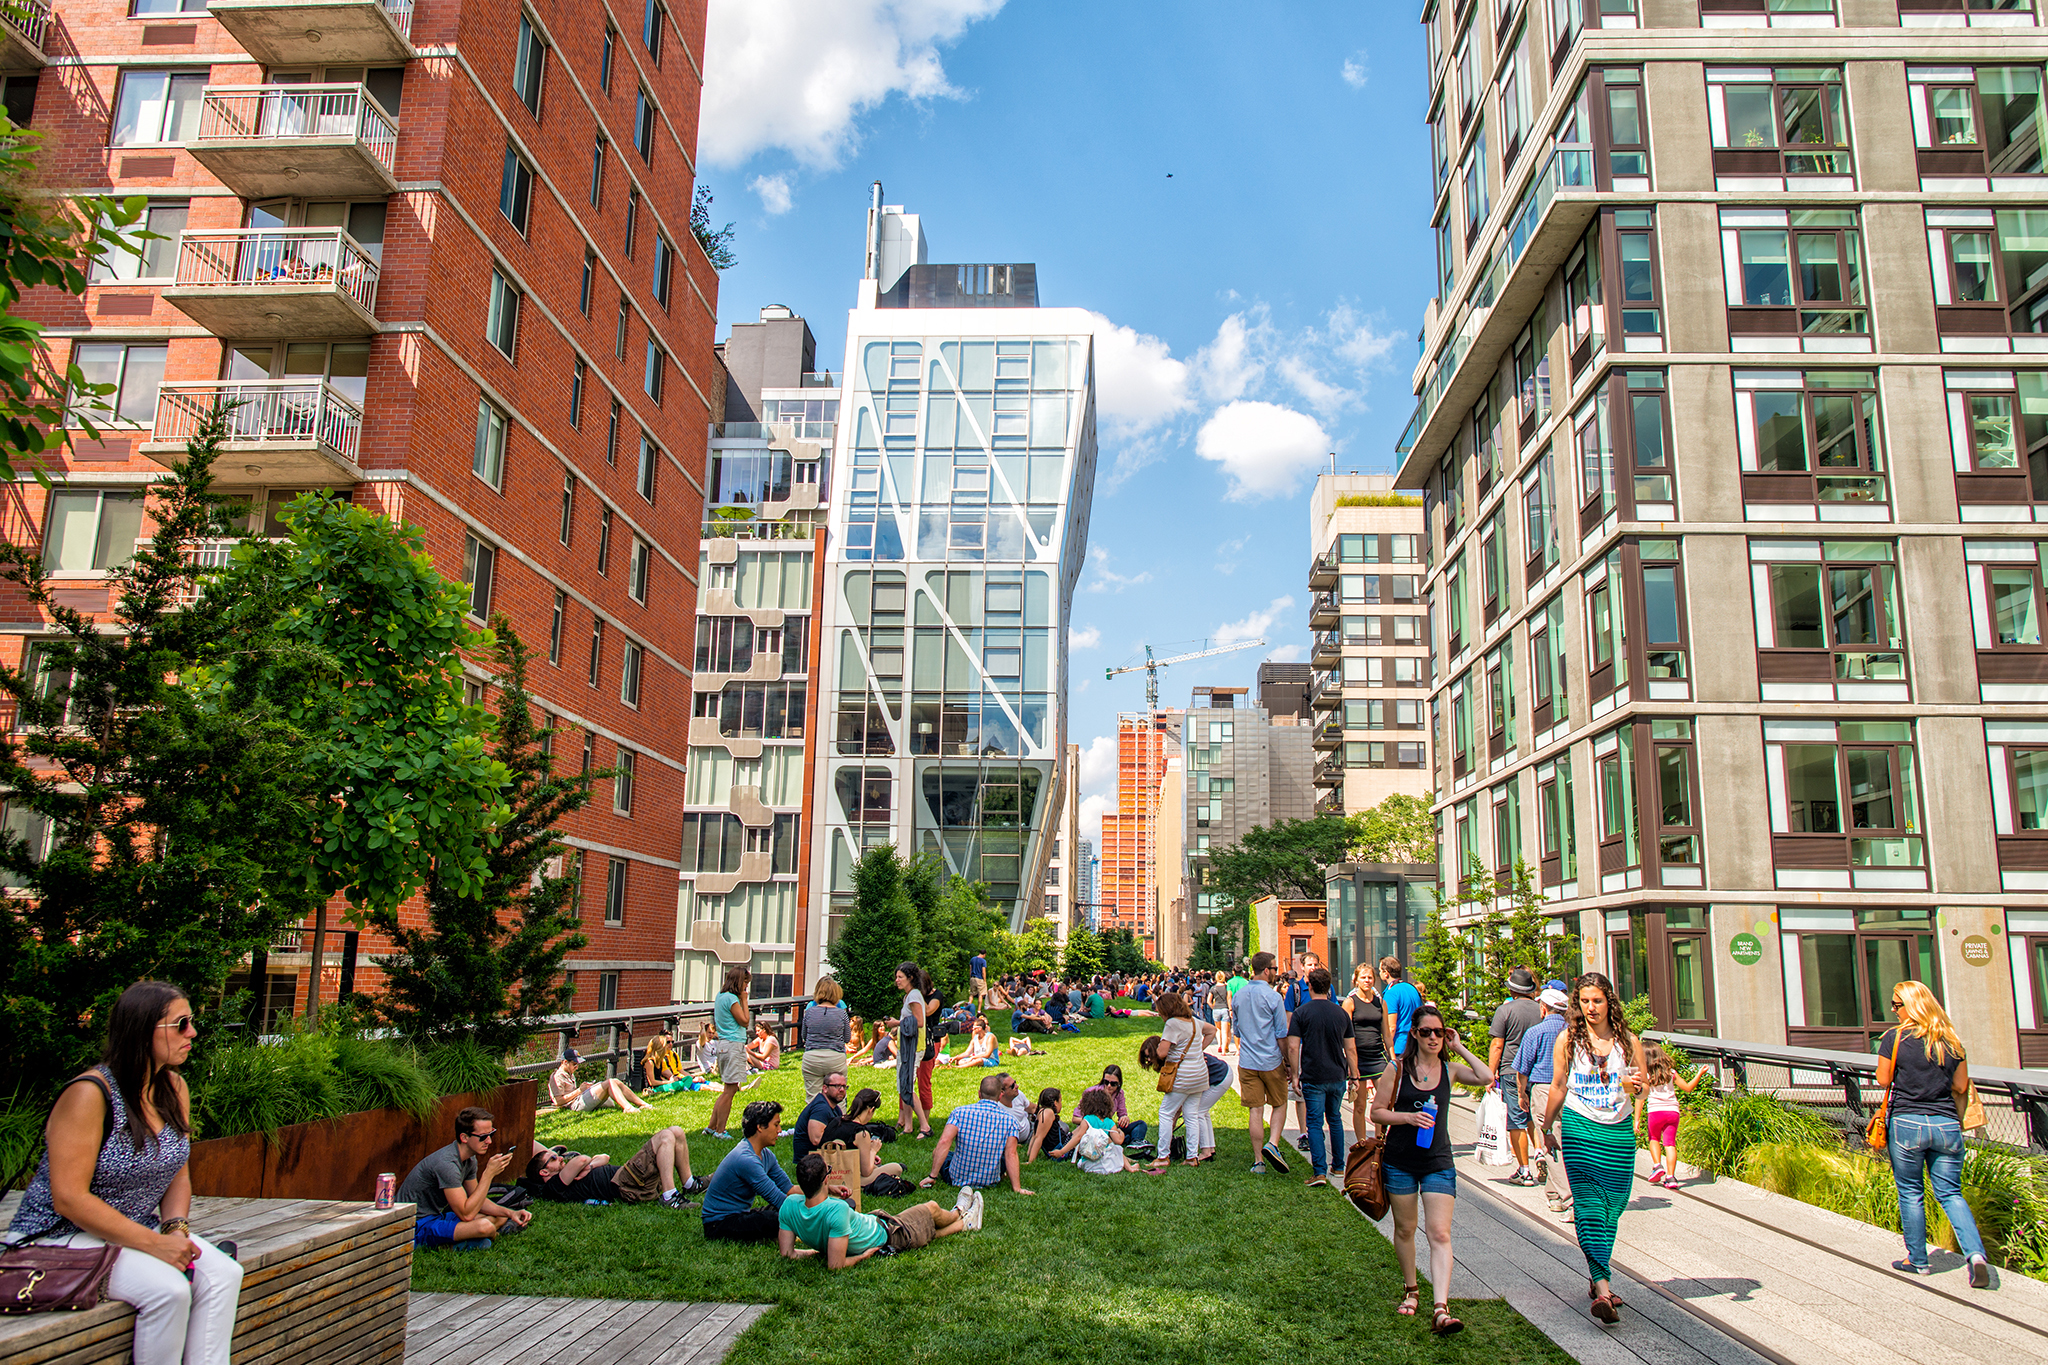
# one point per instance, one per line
(1240, 191)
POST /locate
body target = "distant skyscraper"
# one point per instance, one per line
(1084, 883)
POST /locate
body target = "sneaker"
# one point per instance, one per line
(1542, 1169)
(696, 1184)
(970, 1217)
(718, 1133)
(1302, 1143)
(1555, 1201)
(1980, 1273)
(480, 1244)
(674, 1200)
(1318, 1181)
(1907, 1267)
(1276, 1156)
(1657, 1176)
(1526, 1179)
(1258, 1168)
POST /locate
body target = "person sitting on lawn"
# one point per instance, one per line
(979, 1145)
(830, 1228)
(855, 1128)
(583, 1096)
(1056, 1008)
(649, 1174)
(981, 1048)
(1029, 1018)
(860, 1046)
(661, 1066)
(1096, 1143)
(1112, 1086)
(884, 1046)
(749, 1169)
(764, 1050)
(1047, 1132)
(703, 1059)
(451, 1196)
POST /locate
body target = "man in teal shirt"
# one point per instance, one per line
(830, 1227)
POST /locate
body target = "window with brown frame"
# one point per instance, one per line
(1811, 437)
(1828, 612)
(1549, 666)
(1844, 796)
(1976, 122)
(1791, 121)
(1990, 270)
(1539, 517)
(1556, 822)
(1794, 271)
(1998, 436)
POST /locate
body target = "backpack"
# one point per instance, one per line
(1094, 1144)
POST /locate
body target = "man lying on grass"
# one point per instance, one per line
(649, 1173)
(831, 1228)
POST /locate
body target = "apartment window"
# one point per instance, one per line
(153, 259)
(632, 220)
(1635, 247)
(1539, 517)
(643, 126)
(479, 562)
(158, 106)
(589, 753)
(568, 505)
(1465, 64)
(1769, 124)
(1506, 803)
(1844, 797)
(1976, 122)
(1770, 13)
(596, 176)
(529, 58)
(1627, 130)
(1842, 964)
(18, 99)
(2018, 755)
(579, 375)
(1557, 857)
(1794, 272)
(1485, 432)
(637, 569)
(515, 190)
(629, 674)
(596, 649)
(652, 19)
(1440, 148)
(86, 530)
(614, 901)
(650, 461)
(555, 627)
(1591, 436)
(1381, 754)
(1514, 97)
(1493, 566)
(1456, 608)
(604, 61)
(1499, 672)
(625, 313)
(1532, 374)
(1990, 274)
(1810, 437)
(1585, 317)
(487, 459)
(1549, 665)
(1678, 832)
(756, 710)
(611, 435)
(1614, 773)
(664, 264)
(2006, 611)
(1828, 620)
(501, 324)
(52, 683)
(651, 373)
(1569, 17)
(1464, 739)
(622, 783)
(604, 540)
(1358, 549)
(1606, 627)
(1473, 175)
(1664, 616)
(1446, 257)
(135, 372)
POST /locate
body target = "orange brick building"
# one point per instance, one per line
(442, 254)
(1127, 889)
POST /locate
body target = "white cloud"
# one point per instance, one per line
(1138, 383)
(1288, 654)
(1267, 450)
(1353, 338)
(1093, 808)
(1229, 551)
(1354, 72)
(798, 74)
(1107, 581)
(1324, 397)
(1254, 626)
(1085, 638)
(1227, 367)
(1098, 766)
(774, 192)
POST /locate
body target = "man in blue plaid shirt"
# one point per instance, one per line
(979, 1146)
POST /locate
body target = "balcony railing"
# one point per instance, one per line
(1322, 570)
(1329, 735)
(820, 432)
(263, 258)
(819, 379)
(287, 112)
(1326, 649)
(29, 18)
(757, 530)
(262, 411)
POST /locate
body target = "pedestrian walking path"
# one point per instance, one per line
(505, 1329)
(1725, 1272)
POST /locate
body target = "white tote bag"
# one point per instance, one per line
(1492, 1148)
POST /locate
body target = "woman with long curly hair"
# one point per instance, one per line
(1926, 1082)
(1601, 1066)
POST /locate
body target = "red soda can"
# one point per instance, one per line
(387, 1188)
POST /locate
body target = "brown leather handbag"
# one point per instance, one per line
(1365, 1177)
(37, 1279)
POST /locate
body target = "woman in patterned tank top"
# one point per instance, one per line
(114, 1175)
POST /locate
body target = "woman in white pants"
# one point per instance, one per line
(1201, 1127)
(1181, 1039)
(115, 1175)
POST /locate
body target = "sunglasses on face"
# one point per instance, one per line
(184, 1025)
(484, 1137)
(1429, 1033)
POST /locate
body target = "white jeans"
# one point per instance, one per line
(177, 1321)
(1201, 1130)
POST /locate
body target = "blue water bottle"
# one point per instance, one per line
(1428, 1110)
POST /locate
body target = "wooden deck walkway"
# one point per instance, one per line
(500, 1329)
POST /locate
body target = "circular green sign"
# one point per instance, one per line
(1746, 949)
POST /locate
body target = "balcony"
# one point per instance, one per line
(310, 141)
(290, 283)
(319, 32)
(280, 431)
(1322, 572)
(1331, 802)
(1326, 649)
(821, 433)
(1328, 735)
(1322, 611)
(21, 36)
(1327, 692)
(1330, 772)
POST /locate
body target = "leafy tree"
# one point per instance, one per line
(1121, 953)
(1399, 829)
(173, 811)
(1529, 940)
(1036, 949)
(1212, 952)
(1434, 962)
(717, 242)
(955, 921)
(878, 936)
(487, 967)
(1286, 859)
(1083, 957)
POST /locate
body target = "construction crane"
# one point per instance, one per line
(1151, 667)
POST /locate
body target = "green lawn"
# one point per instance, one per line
(1212, 1264)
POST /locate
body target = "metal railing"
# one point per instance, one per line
(260, 410)
(616, 1029)
(261, 258)
(818, 379)
(721, 529)
(401, 15)
(285, 112)
(820, 432)
(1833, 1084)
(29, 18)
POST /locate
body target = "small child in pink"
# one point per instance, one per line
(1657, 1109)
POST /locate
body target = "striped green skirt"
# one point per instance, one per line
(1600, 1162)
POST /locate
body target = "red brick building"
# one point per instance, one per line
(443, 254)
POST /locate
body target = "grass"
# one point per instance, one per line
(1213, 1264)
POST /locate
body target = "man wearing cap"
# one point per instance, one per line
(1512, 1020)
(1533, 1076)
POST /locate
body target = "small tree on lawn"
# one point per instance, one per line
(880, 933)
(1434, 962)
(1399, 829)
(487, 967)
(1121, 953)
(1036, 949)
(1083, 957)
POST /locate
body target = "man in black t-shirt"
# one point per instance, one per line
(1514, 1018)
(648, 1174)
(820, 1114)
(1319, 1040)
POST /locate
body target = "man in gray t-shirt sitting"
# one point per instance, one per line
(451, 1198)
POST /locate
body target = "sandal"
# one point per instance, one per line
(1411, 1299)
(1607, 1309)
(1443, 1324)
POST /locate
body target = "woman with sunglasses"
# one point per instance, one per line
(115, 1175)
(1411, 1103)
(1920, 1068)
(1112, 1084)
(1601, 1065)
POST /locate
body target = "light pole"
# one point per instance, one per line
(1212, 946)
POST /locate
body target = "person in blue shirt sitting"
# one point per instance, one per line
(750, 1169)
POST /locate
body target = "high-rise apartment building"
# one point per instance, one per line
(1245, 765)
(442, 258)
(966, 463)
(1371, 641)
(1084, 885)
(1734, 425)
(753, 733)
(1127, 885)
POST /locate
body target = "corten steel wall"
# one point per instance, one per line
(430, 365)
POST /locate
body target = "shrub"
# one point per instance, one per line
(1379, 500)
(21, 1139)
(376, 1075)
(261, 1087)
(1715, 1136)
(460, 1068)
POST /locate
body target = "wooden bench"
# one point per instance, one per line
(322, 1281)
